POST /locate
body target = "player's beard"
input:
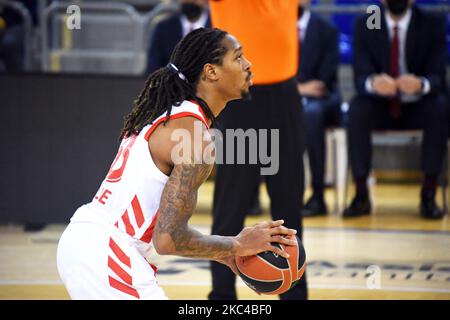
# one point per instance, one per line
(246, 95)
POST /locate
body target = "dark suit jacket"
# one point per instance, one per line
(165, 37)
(426, 51)
(319, 53)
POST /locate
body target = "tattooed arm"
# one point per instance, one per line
(172, 234)
(178, 202)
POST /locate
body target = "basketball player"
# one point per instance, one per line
(148, 198)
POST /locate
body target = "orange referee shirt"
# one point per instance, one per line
(267, 30)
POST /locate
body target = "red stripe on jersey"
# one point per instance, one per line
(137, 211)
(123, 287)
(119, 253)
(155, 269)
(114, 266)
(203, 114)
(117, 224)
(175, 116)
(147, 236)
(128, 226)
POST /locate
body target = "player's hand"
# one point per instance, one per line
(384, 85)
(231, 263)
(409, 84)
(256, 239)
(313, 88)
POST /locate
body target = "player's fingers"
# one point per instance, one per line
(282, 230)
(233, 268)
(263, 224)
(276, 223)
(278, 251)
(283, 240)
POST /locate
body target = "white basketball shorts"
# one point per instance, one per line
(96, 263)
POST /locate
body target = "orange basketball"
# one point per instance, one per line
(269, 273)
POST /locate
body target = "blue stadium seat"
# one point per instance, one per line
(344, 22)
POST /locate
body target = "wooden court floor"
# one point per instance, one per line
(392, 254)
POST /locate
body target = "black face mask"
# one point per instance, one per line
(301, 9)
(397, 7)
(192, 11)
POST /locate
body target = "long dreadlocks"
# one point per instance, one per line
(171, 85)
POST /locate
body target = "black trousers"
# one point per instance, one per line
(368, 113)
(319, 114)
(276, 106)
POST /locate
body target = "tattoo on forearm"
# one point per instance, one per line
(178, 202)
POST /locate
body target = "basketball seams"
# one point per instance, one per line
(290, 268)
(285, 284)
(301, 270)
(267, 262)
(294, 273)
(295, 276)
(259, 280)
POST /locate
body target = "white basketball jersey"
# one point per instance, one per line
(129, 197)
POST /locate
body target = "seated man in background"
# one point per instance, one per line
(399, 74)
(193, 15)
(317, 84)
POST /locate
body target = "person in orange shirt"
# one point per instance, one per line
(267, 30)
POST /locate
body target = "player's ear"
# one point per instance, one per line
(210, 72)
